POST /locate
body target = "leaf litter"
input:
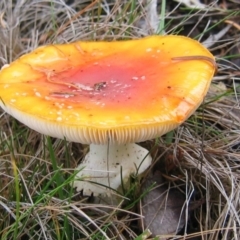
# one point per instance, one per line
(163, 208)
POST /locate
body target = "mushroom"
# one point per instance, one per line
(109, 95)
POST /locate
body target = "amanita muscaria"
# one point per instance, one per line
(108, 95)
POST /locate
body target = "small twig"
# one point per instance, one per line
(204, 58)
(236, 25)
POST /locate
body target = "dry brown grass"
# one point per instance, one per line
(202, 156)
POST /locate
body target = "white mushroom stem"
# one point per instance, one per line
(106, 166)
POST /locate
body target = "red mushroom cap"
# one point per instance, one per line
(95, 92)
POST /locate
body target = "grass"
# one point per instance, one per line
(200, 158)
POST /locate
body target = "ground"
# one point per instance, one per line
(196, 165)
